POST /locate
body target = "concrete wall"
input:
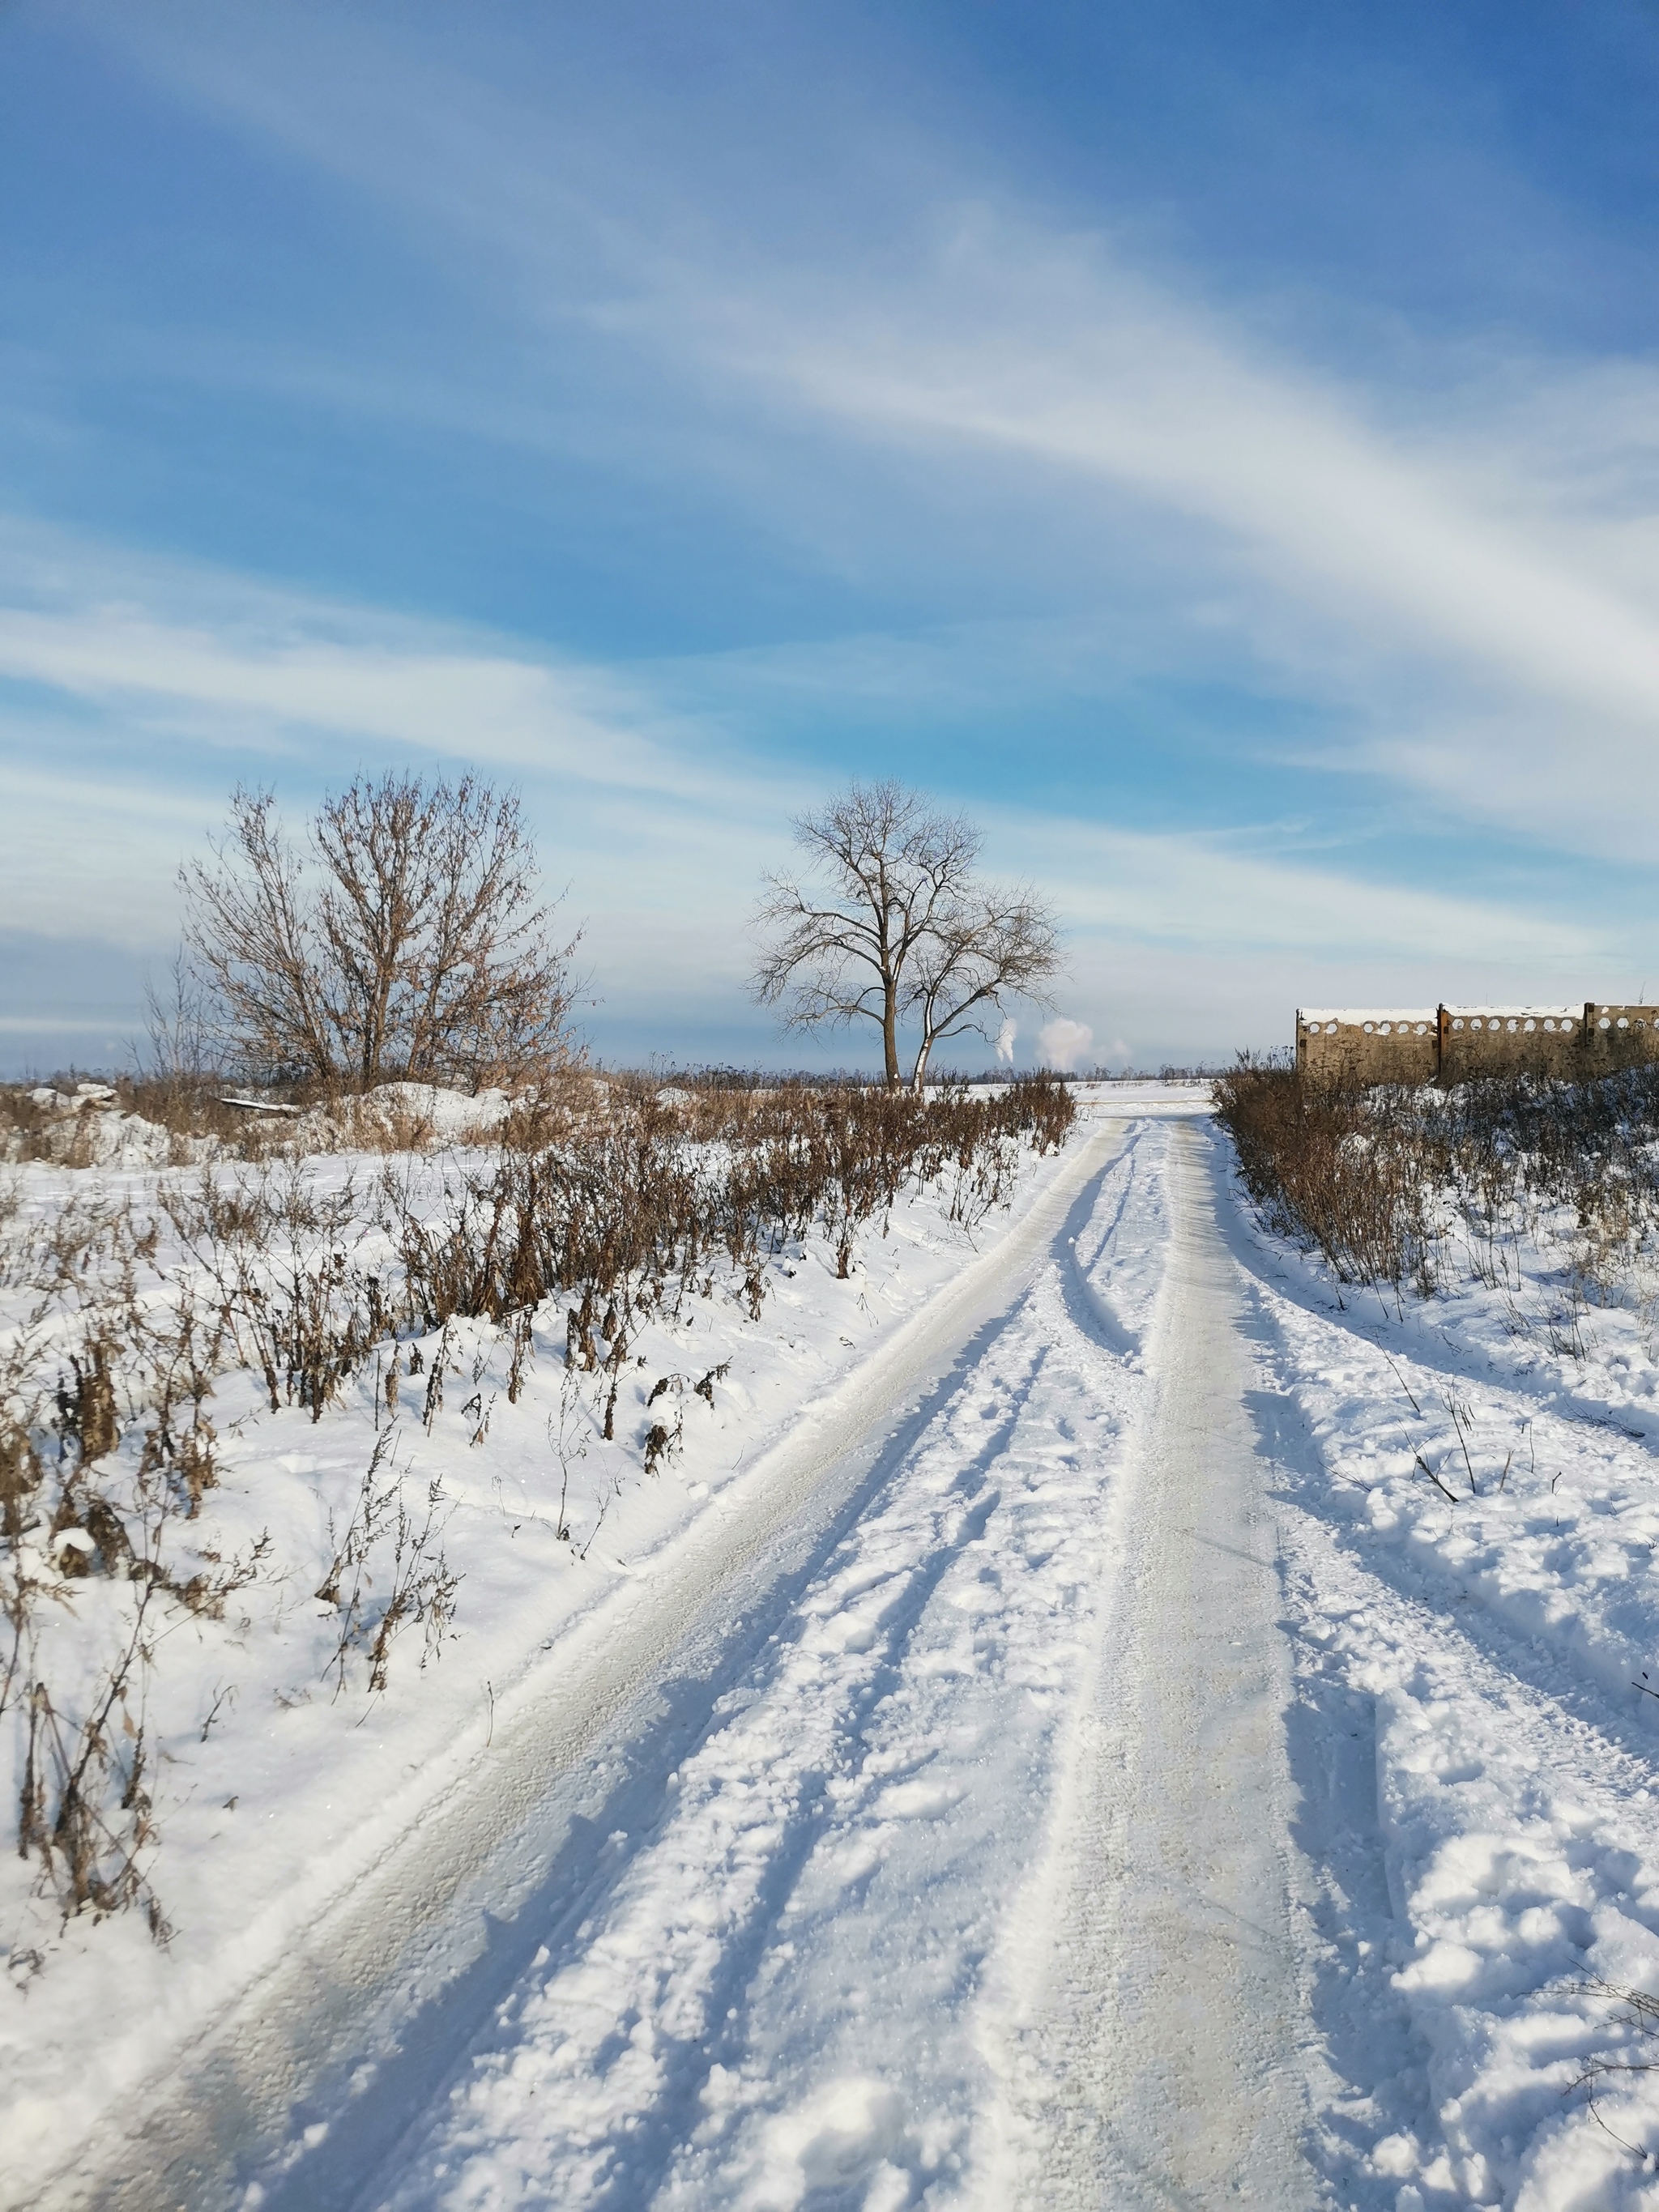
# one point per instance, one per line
(1392, 1045)
(1447, 1044)
(1508, 1040)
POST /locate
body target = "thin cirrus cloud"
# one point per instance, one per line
(1468, 539)
(1031, 348)
(642, 800)
(131, 715)
(1184, 890)
(510, 712)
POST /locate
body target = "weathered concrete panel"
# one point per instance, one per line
(1368, 1045)
(1511, 1039)
(1620, 1035)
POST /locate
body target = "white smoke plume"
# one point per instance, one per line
(1065, 1042)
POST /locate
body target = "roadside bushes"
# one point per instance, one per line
(626, 1213)
(1327, 1167)
(1388, 1182)
(140, 1335)
(183, 1121)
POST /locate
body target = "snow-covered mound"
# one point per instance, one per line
(88, 1127)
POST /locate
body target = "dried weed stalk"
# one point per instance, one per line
(418, 1588)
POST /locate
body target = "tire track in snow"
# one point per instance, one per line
(307, 2067)
(1480, 1815)
(1560, 1671)
(633, 2013)
(1157, 2056)
(1498, 1837)
(880, 1735)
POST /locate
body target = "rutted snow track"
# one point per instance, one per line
(924, 1837)
(971, 1884)
(340, 2036)
(1084, 1765)
(1157, 2053)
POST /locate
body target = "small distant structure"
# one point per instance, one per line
(1446, 1044)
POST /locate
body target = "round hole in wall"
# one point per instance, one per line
(1370, 1026)
(1422, 1028)
(1549, 1021)
(1330, 1029)
(1514, 1025)
(1530, 1023)
(1457, 1021)
(1383, 1029)
(1624, 1021)
(1604, 1023)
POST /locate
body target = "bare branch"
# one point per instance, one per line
(896, 923)
(985, 948)
(409, 943)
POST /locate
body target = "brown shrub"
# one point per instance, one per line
(1384, 1181)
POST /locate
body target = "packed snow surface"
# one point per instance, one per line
(1106, 1719)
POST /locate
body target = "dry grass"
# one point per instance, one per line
(1417, 1188)
(627, 1210)
(617, 1203)
(385, 1546)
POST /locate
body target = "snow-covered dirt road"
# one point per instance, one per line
(1089, 1764)
(970, 1881)
(1158, 2037)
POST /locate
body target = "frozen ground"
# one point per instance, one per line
(1086, 1757)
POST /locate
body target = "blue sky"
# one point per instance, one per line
(1217, 447)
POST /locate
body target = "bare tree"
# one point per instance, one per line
(405, 939)
(984, 947)
(887, 919)
(178, 1023)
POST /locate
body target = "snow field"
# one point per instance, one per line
(1331, 1834)
(1476, 1768)
(283, 1811)
(1050, 1739)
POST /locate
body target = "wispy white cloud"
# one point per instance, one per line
(1459, 569)
(1185, 890)
(514, 714)
(1350, 541)
(661, 819)
(131, 705)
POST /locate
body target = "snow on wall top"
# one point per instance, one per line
(1356, 1015)
(1350, 1014)
(1572, 1013)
